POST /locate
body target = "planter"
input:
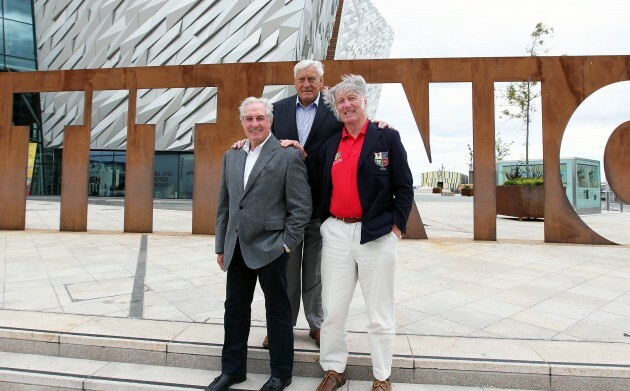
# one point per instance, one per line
(467, 192)
(521, 201)
(437, 190)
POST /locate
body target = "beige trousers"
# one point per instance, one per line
(344, 262)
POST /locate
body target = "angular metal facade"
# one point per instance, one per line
(78, 34)
(364, 34)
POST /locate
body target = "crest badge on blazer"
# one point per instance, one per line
(381, 159)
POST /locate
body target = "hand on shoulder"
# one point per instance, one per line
(382, 124)
(294, 144)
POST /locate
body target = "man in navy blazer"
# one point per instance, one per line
(306, 122)
(366, 199)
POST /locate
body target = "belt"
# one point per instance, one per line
(349, 220)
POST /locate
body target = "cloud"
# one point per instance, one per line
(448, 28)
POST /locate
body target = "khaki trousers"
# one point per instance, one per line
(344, 262)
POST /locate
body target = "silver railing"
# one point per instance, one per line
(610, 202)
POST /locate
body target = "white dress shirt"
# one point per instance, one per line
(304, 117)
(252, 156)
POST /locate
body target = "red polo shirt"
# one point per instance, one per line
(344, 201)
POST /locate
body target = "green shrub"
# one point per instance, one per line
(525, 181)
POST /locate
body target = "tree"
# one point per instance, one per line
(520, 95)
(501, 150)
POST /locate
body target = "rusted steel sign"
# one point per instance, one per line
(565, 83)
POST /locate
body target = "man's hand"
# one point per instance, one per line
(220, 260)
(294, 144)
(381, 124)
(238, 144)
(397, 231)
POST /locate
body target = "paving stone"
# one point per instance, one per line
(449, 285)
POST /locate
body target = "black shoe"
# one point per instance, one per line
(223, 382)
(276, 384)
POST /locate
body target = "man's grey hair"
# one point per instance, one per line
(253, 99)
(319, 67)
(349, 83)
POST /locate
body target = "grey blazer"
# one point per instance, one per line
(270, 212)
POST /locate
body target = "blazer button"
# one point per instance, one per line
(236, 230)
(241, 207)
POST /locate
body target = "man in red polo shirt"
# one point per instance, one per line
(367, 194)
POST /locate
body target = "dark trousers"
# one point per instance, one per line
(241, 282)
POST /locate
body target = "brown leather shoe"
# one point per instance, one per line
(266, 342)
(381, 385)
(332, 381)
(315, 335)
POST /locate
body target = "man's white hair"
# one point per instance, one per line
(349, 83)
(252, 100)
(319, 67)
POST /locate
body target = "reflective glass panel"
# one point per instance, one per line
(102, 175)
(19, 10)
(186, 175)
(20, 64)
(165, 178)
(119, 167)
(19, 40)
(94, 179)
(24, 106)
(108, 185)
(588, 186)
(1, 37)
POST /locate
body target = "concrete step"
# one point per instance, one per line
(456, 361)
(38, 373)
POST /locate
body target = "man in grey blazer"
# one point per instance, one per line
(264, 204)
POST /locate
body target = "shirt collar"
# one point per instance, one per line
(315, 102)
(344, 132)
(258, 148)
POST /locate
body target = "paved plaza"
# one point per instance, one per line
(517, 288)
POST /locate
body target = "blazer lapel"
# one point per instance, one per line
(291, 118)
(372, 134)
(320, 115)
(239, 168)
(267, 152)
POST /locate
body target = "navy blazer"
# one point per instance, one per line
(385, 183)
(324, 126)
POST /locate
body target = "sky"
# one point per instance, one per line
(492, 28)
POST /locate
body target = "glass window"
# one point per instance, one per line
(19, 10)
(119, 164)
(588, 186)
(1, 37)
(107, 173)
(19, 40)
(186, 175)
(94, 177)
(165, 178)
(582, 172)
(20, 64)
(47, 173)
(24, 106)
